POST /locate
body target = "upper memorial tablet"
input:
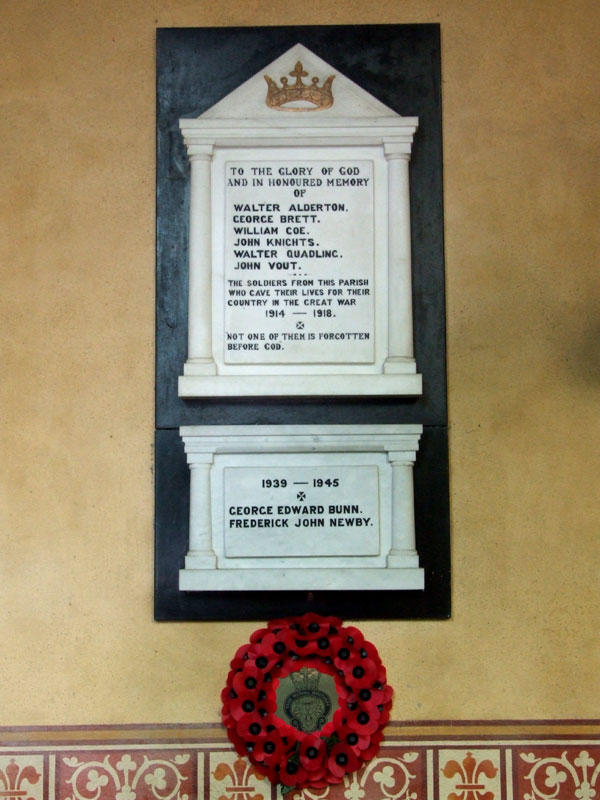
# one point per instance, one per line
(299, 252)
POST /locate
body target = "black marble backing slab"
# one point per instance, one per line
(431, 524)
(400, 66)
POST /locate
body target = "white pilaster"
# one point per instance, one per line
(200, 359)
(402, 552)
(201, 554)
(400, 327)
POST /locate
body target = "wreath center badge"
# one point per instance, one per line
(306, 701)
(306, 707)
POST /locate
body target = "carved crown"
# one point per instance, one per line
(319, 97)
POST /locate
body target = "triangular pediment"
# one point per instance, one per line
(249, 101)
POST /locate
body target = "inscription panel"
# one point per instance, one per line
(299, 262)
(301, 511)
(299, 265)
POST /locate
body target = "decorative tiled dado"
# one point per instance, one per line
(417, 761)
(559, 773)
(231, 777)
(21, 777)
(126, 775)
(471, 774)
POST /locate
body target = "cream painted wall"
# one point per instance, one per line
(521, 129)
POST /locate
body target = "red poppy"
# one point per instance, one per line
(384, 715)
(243, 704)
(267, 706)
(313, 753)
(304, 647)
(247, 680)
(357, 741)
(226, 694)
(373, 748)
(276, 646)
(240, 656)
(291, 737)
(369, 694)
(319, 783)
(368, 650)
(388, 692)
(360, 673)
(292, 773)
(353, 636)
(264, 662)
(258, 635)
(237, 742)
(362, 721)
(381, 674)
(250, 726)
(315, 627)
(342, 760)
(275, 624)
(269, 749)
(343, 655)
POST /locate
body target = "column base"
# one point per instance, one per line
(402, 559)
(200, 366)
(399, 365)
(200, 561)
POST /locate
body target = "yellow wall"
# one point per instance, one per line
(521, 125)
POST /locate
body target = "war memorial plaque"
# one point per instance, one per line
(301, 444)
(299, 239)
(301, 507)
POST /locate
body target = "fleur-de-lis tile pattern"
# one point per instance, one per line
(470, 775)
(235, 778)
(417, 761)
(20, 777)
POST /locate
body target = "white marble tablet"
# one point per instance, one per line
(301, 507)
(300, 264)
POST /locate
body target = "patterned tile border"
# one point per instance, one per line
(506, 760)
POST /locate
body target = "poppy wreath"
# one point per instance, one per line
(285, 754)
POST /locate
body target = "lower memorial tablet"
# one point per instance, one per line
(298, 507)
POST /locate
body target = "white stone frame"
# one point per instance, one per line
(207, 139)
(392, 448)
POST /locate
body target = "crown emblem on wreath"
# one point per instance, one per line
(306, 678)
(319, 97)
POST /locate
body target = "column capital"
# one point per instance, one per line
(397, 150)
(404, 458)
(200, 152)
(200, 460)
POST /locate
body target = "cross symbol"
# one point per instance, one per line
(298, 73)
(301, 496)
(299, 325)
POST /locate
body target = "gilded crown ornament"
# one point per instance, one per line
(320, 97)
